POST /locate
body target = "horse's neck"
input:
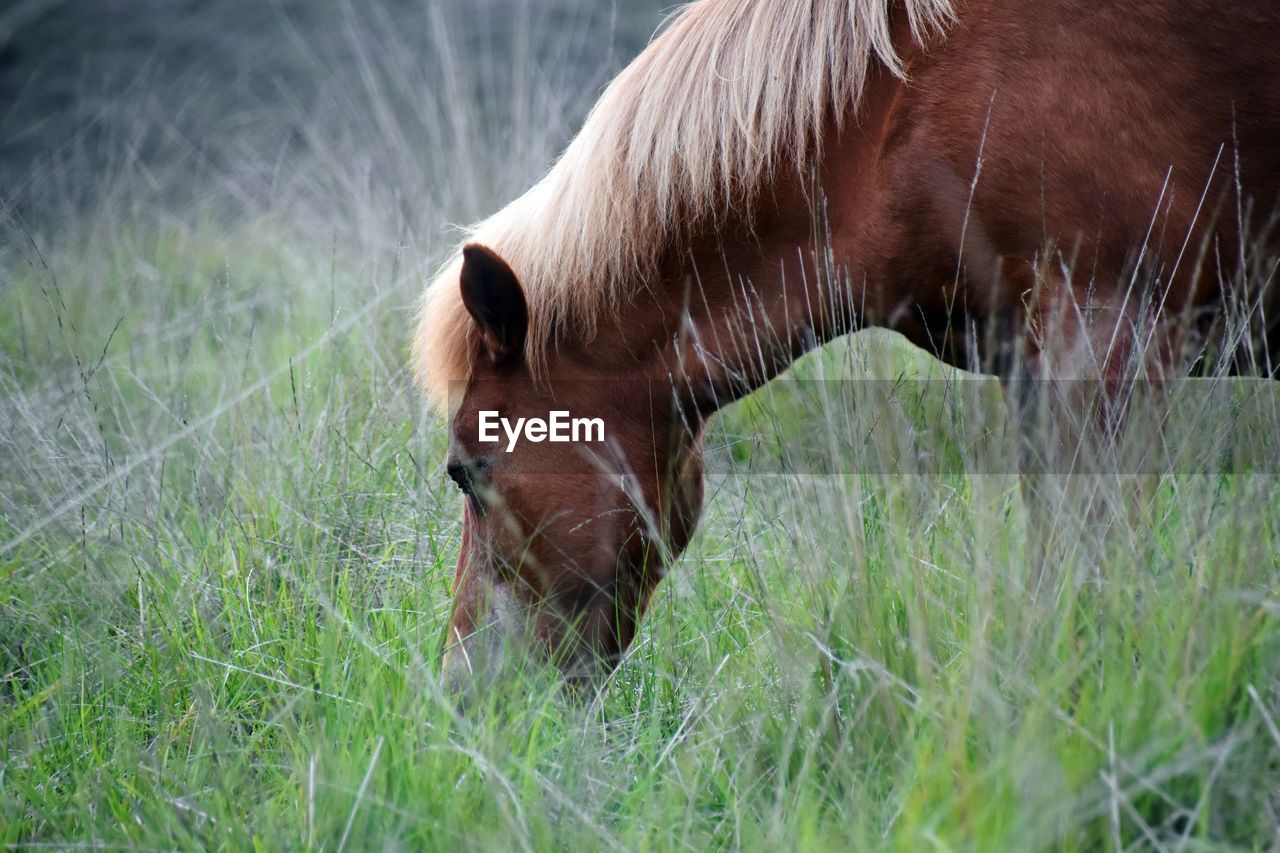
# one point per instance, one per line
(742, 298)
(753, 299)
(753, 302)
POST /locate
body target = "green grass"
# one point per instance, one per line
(226, 561)
(226, 547)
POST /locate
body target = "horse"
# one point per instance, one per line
(1062, 185)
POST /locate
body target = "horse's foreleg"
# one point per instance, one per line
(1089, 456)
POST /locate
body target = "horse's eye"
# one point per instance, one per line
(469, 475)
(461, 474)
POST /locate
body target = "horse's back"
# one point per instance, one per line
(1107, 107)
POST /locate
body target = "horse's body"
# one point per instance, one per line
(1065, 186)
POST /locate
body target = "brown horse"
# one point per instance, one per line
(1025, 182)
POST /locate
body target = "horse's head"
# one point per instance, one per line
(580, 482)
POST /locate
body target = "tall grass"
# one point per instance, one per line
(226, 542)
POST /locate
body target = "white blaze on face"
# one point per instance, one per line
(499, 624)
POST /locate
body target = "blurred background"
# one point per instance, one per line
(379, 109)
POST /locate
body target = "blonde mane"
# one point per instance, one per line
(695, 126)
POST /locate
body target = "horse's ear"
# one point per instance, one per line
(494, 299)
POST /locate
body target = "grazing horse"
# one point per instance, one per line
(1027, 182)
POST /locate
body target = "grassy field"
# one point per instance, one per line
(226, 544)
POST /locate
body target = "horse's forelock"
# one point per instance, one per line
(444, 347)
